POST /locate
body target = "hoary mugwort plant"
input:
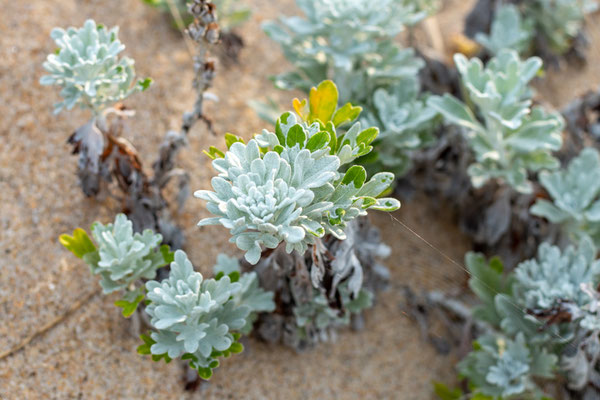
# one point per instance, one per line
(575, 197)
(88, 69)
(281, 188)
(193, 318)
(537, 27)
(508, 137)
(287, 186)
(287, 190)
(353, 43)
(541, 321)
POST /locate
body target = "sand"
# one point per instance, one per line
(90, 353)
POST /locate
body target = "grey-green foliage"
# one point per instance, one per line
(556, 22)
(250, 295)
(556, 276)
(288, 186)
(353, 43)
(349, 41)
(508, 31)
(514, 305)
(506, 368)
(194, 318)
(88, 69)
(575, 196)
(123, 257)
(508, 136)
(406, 123)
(317, 317)
(560, 21)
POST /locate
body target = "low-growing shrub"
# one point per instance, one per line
(353, 43)
(193, 318)
(508, 137)
(541, 321)
(546, 28)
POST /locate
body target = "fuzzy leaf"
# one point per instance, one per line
(79, 244)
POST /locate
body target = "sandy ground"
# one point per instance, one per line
(90, 354)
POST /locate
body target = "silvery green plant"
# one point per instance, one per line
(509, 138)
(546, 28)
(193, 318)
(406, 124)
(559, 21)
(199, 319)
(350, 41)
(543, 309)
(575, 194)
(556, 276)
(287, 186)
(121, 257)
(250, 294)
(506, 369)
(508, 31)
(353, 43)
(88, 69)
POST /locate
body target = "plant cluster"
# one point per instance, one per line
(193, 318)
(283, 187)
(353, 43)
(88, 69)
(537, 26)
(537, 315)
(286, 190)
(295, 198)
(575, 197)
(508, 137)
(288, 186)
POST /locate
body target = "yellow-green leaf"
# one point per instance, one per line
(301, 109)
(323, 102)
(79, 244)
(347, 113)
(230, 139)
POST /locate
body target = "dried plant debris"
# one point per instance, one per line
(324, 289)
(550, 29)
(88, 69)
(582, 117)
(232, 14)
